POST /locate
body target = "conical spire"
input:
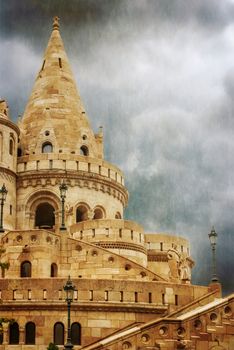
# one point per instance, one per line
(55, 96)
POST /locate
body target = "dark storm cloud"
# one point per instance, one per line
(159, 76)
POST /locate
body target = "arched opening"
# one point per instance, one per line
(59, 333)
(98, 213)
(14, 333)
(47, 147)
(1, 337)
(19, 152)
(30, 333)
(76, 333)
(118, 215)
(53, 270)
(84, 151)
(81, 213)
(26, 269)
(45, 216)
(11, 147)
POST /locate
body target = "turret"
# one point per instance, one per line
(9, 134)
(58, 144)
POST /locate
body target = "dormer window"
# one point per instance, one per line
(47, 147)
(84, 151)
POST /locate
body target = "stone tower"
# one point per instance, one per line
(58, 144)
(9, 134)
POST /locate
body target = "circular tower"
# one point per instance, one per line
(58, 144)
(9, 133)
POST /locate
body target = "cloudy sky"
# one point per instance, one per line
(158, 75)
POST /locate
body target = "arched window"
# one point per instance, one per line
(84, 151)
(47, 147)
(11, 147)
(98, 213)
(26, 269)
(14, 333)
(59, 333)
(81, 213)
(76, 333)
(19, 152)
(118, 215)
(30, 333)
(53, 270)
(44, 216)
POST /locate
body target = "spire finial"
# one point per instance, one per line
(56, 23)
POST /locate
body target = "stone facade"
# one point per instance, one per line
(132, 289)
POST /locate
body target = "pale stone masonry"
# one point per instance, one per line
(132, 289)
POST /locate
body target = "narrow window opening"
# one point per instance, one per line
(75, 294)
(106, 295)
(81, 234)
(176, 299)
(121, 296)
(14, 294)
(53, 270)
(64, 164)
(77, 165)
(107, 232)
(14, 333)
(59, 333)
(60, 62)
(163, 298)
(161, 246)
(51, 164)
(136, 297)
(120, 232)
(60, 294)
(93, 232)
(11, 146)
(91, 295)
(30, 333)
(37, 166)
(100, 170)
(44, 294)
(26, 269)
(76, 333)
(89, 167)
(108, 172)
(150, 297)
(29, 294)
(10, 209)
(131, 234)
(19, 152)
(25, 166)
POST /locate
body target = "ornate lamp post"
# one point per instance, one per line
(63, 190)
(69, 289)
(213, 241)
(3, 194)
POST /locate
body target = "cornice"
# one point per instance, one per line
(10, 124)
(84, 306)
(78, 178)
(8, 172)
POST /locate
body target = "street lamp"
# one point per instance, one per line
(213, 241)
(3, 194)
(69, 289)
(63, 190)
